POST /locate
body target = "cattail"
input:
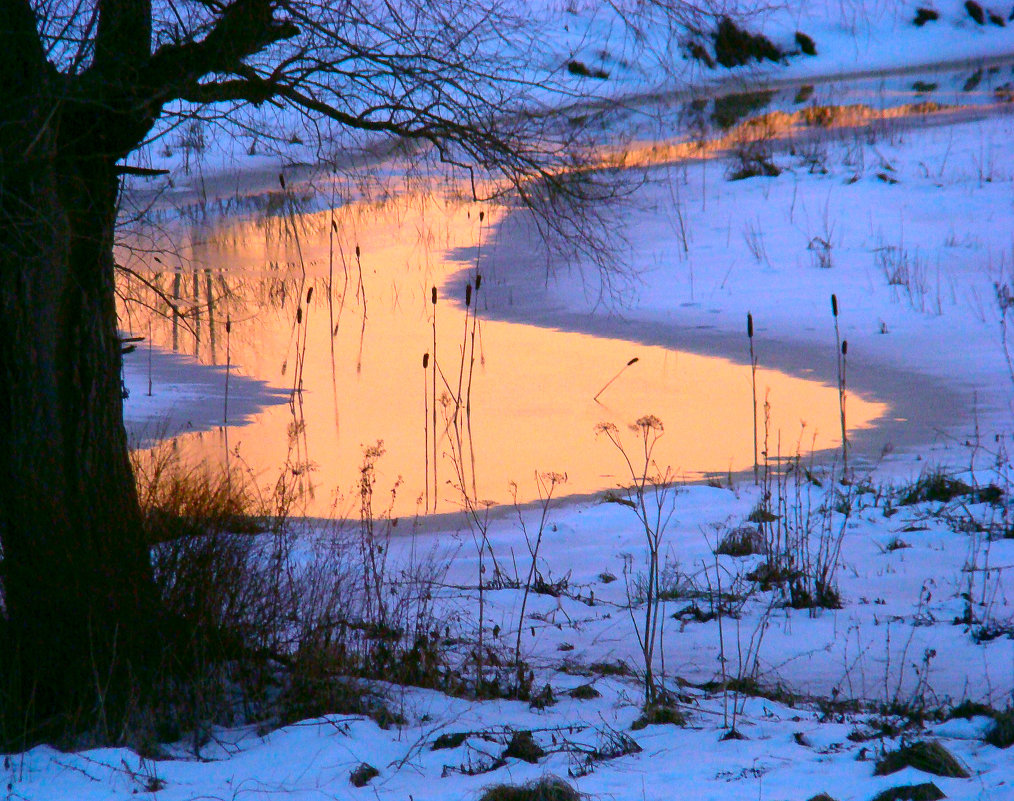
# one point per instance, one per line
(426, 436)
(482, 216)
(228, 365)
(478, 281)
(433, 410)
(309, 294)
(281, 180)
(834, 304)
(357, 251)
(753, 388)
(635, 360)
(299, 315)
(845, 347)
(468, 295)
(334, 225)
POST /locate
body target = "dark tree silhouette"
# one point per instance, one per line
(84, 84)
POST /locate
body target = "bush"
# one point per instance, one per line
(253, 634)
(363, 775)
(753, 160)
(806, 44)
(735, 46)
(924, 15)
(699, 53)
(581, 69)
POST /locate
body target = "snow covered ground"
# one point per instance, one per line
(909, 224)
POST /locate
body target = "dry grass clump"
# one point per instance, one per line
(584, 692)
(522, 746)
(1001, 732)
(741, 541)
(911, 792)
(659, 715)
(927, 756)
(548, 788)
(935, 486)
(179, 500)
(363, 775)
(264, 624)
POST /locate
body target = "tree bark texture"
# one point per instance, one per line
(77, 588)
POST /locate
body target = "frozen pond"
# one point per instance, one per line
(326, 319)
(344, 337)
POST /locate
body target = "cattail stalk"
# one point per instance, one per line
(426, 431)
(841, 405)
(841, 349)
(228, 365)
(753, 382)
(635, 360)
(433, 302)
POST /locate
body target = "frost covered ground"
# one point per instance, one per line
(909, 224)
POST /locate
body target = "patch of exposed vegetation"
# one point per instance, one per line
(935, 486)
(741, 541)
(975, 11)
(582, 70)
(584, 692)
(449, 740)
(1001, 732)
(927, 756)
(363, 775)
(522, 746)
(806, 44)
(548, 788)
(735, 46)
(659, 715)
(911, 792)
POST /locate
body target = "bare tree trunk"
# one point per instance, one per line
(78, 594)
